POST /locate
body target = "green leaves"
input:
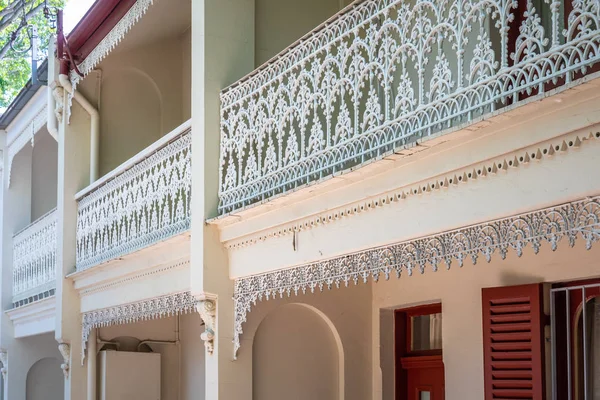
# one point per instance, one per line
(15, 18)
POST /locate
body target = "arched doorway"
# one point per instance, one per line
(45, 380)
(296, 355)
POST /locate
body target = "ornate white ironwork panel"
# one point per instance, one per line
(147, 203)
(385, 73)
(34, 258)
(568, 221)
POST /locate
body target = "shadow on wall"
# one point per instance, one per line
(297, 354)
(45, 380)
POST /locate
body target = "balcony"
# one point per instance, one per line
(34, 260)
(142, 202)
(383, 74)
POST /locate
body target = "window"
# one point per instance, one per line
(575, 327)
(517, 334)
(418, 345)
(513, 342)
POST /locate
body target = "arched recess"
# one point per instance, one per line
(297, 353)
(131, 115)
(45, 380)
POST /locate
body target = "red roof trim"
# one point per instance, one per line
(100, 19)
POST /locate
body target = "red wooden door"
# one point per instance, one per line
(425, 377)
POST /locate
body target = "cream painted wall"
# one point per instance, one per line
(23, 374)
(43, 174)
(459, 291)
(181, 369)
(348, 310)
(279, 23)
(186, 74)
(45, 380)
(192, 357)
(295, 356)
(144, 94)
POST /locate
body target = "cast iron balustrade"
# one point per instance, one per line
(34, 259)
(384, 73)
(142, 202)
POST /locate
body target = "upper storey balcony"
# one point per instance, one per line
(383, 74)
(141, 89)
(34, 260)
(144, 201)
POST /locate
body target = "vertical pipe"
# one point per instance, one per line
(568, 325)
(91, 365)
(585, 354)
(553, 341)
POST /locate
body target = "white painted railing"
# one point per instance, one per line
(383, 73)
(144, 201)
(34, 258)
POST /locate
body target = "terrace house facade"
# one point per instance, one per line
(308, 199)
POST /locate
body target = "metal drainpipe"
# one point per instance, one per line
(51, 123)
(95, 124)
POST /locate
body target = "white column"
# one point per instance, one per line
(221, 53)
(92, 353)
(73, 175)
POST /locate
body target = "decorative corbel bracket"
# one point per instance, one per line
(65, 351)
(57, 93)
(207, 308)
(4, 361)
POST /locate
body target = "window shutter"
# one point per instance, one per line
(513, 342)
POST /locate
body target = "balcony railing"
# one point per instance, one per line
(34, 259)
(384, 73)
(144, 201)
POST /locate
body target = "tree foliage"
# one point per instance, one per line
(16, 17)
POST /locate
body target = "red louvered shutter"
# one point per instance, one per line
(513, 342)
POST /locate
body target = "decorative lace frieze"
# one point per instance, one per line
(549, 226)
(147, 203)
(156, 308)
(108, 44)
(385, 73)
(34, 259)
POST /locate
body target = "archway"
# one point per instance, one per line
(45, 380)
(297, 354)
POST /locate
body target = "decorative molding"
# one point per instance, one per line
(383, 74)
(65, 351)
(446, 181)
(26, 135)
(207, 309)
(146, 203)
(33, 318)
(108, 44)
(155, 308)
(4, 361)
(580, 219)
(143, 275)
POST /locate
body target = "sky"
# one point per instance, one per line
(74, 10)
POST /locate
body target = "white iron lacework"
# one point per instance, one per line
(147, 203)
(384, 73)
(155, 308)
(579, 219)
(34, 258)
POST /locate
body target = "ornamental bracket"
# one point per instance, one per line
(207, 308)
(65, 351)
(4, 361)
